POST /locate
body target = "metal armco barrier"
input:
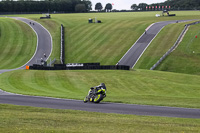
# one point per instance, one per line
(174, 46)
(62, 51)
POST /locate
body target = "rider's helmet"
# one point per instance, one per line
(102, 84)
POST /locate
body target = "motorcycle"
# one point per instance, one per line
(95, 95)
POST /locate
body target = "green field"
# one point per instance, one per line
(29, 119)
(185, 59)
(106, 42)
(135, 87)
(114, 36)
(160, 45)
(17, 43)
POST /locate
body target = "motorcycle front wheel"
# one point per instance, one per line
(85, 100)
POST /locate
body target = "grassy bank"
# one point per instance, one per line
(135, 87)
(185, 59)
(160, 45)
(30, 119)
(105, 42)
(18, 43)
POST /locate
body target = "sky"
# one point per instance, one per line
(123, 4)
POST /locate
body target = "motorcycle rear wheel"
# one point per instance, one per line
(98, 98)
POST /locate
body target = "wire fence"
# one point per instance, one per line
(174, 46)
(51, 62)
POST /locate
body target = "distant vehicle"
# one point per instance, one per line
(157, 15)
(46, 16)
(166, 11)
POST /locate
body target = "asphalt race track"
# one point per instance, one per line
(7, 98)
(45, 46)
(138, 48)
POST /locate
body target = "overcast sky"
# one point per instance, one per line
(123, 4)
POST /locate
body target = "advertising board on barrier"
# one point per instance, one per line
(74, 65)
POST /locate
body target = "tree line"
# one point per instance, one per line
(168, 4)
(172, 4)
(99, 7)
(70, 6)
(67, 6)
(183, 4)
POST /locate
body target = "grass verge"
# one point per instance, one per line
(134, 87)
(30, 119)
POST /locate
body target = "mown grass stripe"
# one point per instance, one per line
(42, 82)
(76, 42)
(6, 52)
(17, 43)
(96, 47)
(87, 48)
(53, 85)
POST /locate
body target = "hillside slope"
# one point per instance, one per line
(185, 59)
(135, 87)
(106, 42)
(18, 43)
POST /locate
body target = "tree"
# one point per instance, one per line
(45, 5)
(134, 7)
(98, 7)
(142, 6)
(108, 7)
(88, 4)
(183, 4)
(80, 8)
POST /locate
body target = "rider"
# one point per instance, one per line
(100, 87)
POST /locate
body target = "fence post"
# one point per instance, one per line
(62, 51)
